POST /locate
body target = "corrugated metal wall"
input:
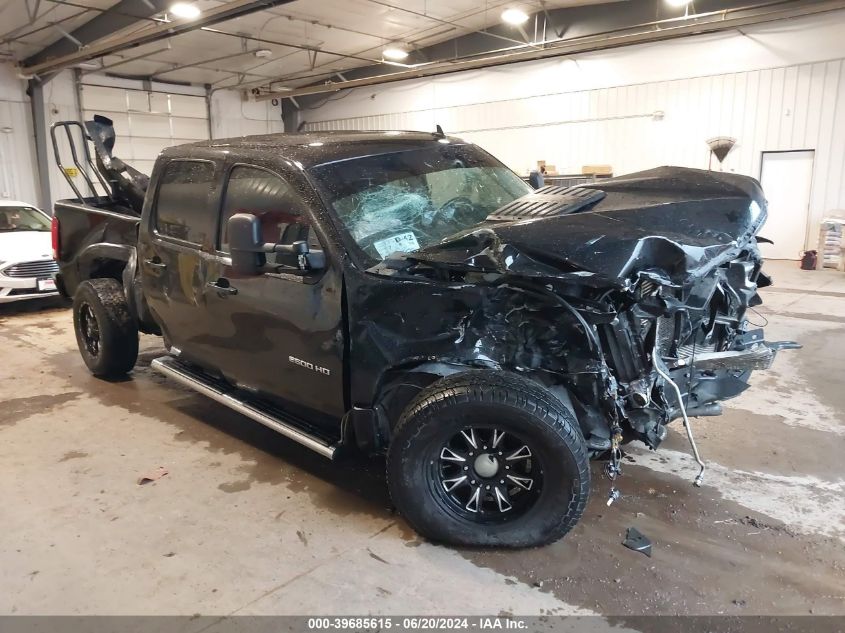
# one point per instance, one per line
(159, 118)
(17, 158)
(792, 107)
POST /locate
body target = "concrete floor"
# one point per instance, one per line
(246, 522)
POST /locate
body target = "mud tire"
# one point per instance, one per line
(517, 405)
(116, 349)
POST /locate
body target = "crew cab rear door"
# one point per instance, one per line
(280, 332)
(175, 245)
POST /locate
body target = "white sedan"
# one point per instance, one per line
(26, 262)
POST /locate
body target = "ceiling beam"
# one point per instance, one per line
(123, 14)
(152, 33)
(482, 42)
(668, 29)
(127, 60)
(15, 34)
(202, 62)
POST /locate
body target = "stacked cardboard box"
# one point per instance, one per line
(832, 244)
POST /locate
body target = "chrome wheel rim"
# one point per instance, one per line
(89, 329)
(487, 474)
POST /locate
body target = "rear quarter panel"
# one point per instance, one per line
(90, 235)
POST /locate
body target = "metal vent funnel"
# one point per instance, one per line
(721, 146)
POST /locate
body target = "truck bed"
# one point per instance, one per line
(96, 238)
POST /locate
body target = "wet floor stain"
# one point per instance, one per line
(818, 362)
(375, 556)
(15, 410)
(73, 455)
(343, 487)
(771, 446)
(235, 486)
(47, 308)
(812, 316)
(710, 555)
(50, 327)
(815, 293)
(697, 538)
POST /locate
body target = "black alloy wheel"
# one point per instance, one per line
(89, 329)
(487, 474)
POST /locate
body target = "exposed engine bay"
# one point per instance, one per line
(633, 301)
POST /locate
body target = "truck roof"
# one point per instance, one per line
(315, 148)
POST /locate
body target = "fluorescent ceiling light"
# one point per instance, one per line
(184, 10)
(678, 3)
(395, 52)
(514, 17)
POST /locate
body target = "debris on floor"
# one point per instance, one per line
(153, 475)
(637, 541)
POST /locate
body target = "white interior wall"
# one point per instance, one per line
(777, 86)
(233, 116)
(17, 149)
(61, 103)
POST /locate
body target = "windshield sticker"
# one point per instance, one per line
(403, 242)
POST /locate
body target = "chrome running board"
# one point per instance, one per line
(226, 395)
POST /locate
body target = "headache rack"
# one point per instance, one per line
(122, 187)
(83, 169)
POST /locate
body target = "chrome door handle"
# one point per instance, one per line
(155, 264)
(221, 290)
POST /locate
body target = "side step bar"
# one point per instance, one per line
(208, 386)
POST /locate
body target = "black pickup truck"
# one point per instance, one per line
(405, 293)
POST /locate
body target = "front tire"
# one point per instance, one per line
(106, 332)
(488, 458)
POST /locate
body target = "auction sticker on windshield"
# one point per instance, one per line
(403, 242)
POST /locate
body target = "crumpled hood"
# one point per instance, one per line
(683, 221)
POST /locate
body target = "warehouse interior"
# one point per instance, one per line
(247, 522)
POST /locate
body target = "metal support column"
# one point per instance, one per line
(39, 125)
(208, 110)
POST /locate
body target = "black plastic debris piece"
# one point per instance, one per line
(637, 541)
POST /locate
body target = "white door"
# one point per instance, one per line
(786, 178)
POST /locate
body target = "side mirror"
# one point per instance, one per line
(245, 245)
(248, 251)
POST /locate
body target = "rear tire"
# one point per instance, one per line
(106, 332)
(526, 465)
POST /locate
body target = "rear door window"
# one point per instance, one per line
(182, 209)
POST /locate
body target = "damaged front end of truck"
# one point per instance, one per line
(631, 300)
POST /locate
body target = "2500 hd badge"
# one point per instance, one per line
(304, 363)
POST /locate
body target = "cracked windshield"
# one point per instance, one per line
(408, 200)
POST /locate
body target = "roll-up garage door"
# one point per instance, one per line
(147, 121)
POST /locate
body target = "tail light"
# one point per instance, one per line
(54, 234)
